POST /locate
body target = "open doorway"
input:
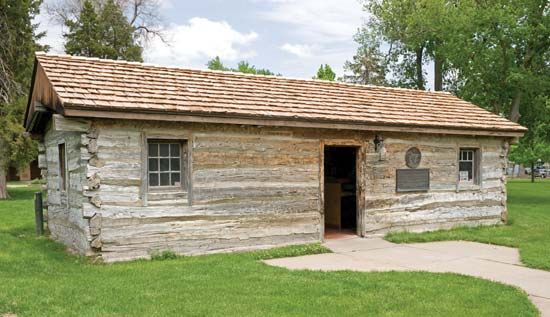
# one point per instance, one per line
(340, 189)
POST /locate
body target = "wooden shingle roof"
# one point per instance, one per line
(90, 87)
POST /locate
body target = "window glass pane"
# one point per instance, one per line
(164, 179)
(174, 164)
(164, 165)
(175, 179)
(174, 150)
(466, 167)
(466, 155)
(164, 149)
(153, 149)
(153, 164)
(153, 179)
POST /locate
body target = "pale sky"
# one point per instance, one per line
(291, 37)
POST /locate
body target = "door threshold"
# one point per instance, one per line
(335, 234)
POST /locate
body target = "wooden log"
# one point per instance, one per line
(61, 123)
(89, 210)
(96, 243)
(96, 201)
(96, 162)
(92, 146)
(94, 182)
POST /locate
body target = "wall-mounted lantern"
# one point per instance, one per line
(377, 141)
(379, 147)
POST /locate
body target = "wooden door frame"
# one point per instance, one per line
(360, 147)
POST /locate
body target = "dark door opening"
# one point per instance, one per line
(340, 189)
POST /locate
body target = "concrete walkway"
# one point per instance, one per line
(470, 258)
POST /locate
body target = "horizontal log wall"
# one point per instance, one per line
(447, 203)
(65, 219)
(251, 188)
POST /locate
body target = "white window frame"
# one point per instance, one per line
(183, 168)
(471, 156)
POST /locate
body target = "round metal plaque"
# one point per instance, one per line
(413, 157)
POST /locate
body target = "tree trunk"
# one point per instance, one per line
(514, 112)
(3, 183)
(532, 172)
(438, 74)
(4, 166)
(419, 74)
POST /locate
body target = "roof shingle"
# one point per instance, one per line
(95, 84)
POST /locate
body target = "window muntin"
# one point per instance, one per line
(62, 167)
(165, 161)
(467, 166)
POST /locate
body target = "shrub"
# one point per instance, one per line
(163, 255)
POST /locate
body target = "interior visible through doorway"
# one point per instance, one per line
(340, 191)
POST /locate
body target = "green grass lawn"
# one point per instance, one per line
(528, 227)
(37, 278)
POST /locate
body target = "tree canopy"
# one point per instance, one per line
(495, 54)
(534, 147)
(18, 38)
(83, 37)
(368, 64)
(242, 67)
(104, 34)
(142, 15)
(325, 73)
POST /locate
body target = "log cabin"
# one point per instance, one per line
(141, 158)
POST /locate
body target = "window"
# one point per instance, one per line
(468, 163)
(166, 164)
(62, 167)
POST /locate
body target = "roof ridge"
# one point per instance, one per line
(238, 74)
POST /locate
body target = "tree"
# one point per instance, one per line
(529, 152)
(242, 67)
(502, 54)
(492, 53)
(368, 66)
(325, 73)
(117, 34)
(535, 145)
(18, 38)
(107, 35)
(142, 15)
(245, 67)
(84, 38)
(391, 24)
(495, 54)
(216, 64)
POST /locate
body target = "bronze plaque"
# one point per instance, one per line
(413, 157)
(412, 180)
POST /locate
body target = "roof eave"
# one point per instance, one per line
(74, 111)
(31, 90)
(38, 119)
